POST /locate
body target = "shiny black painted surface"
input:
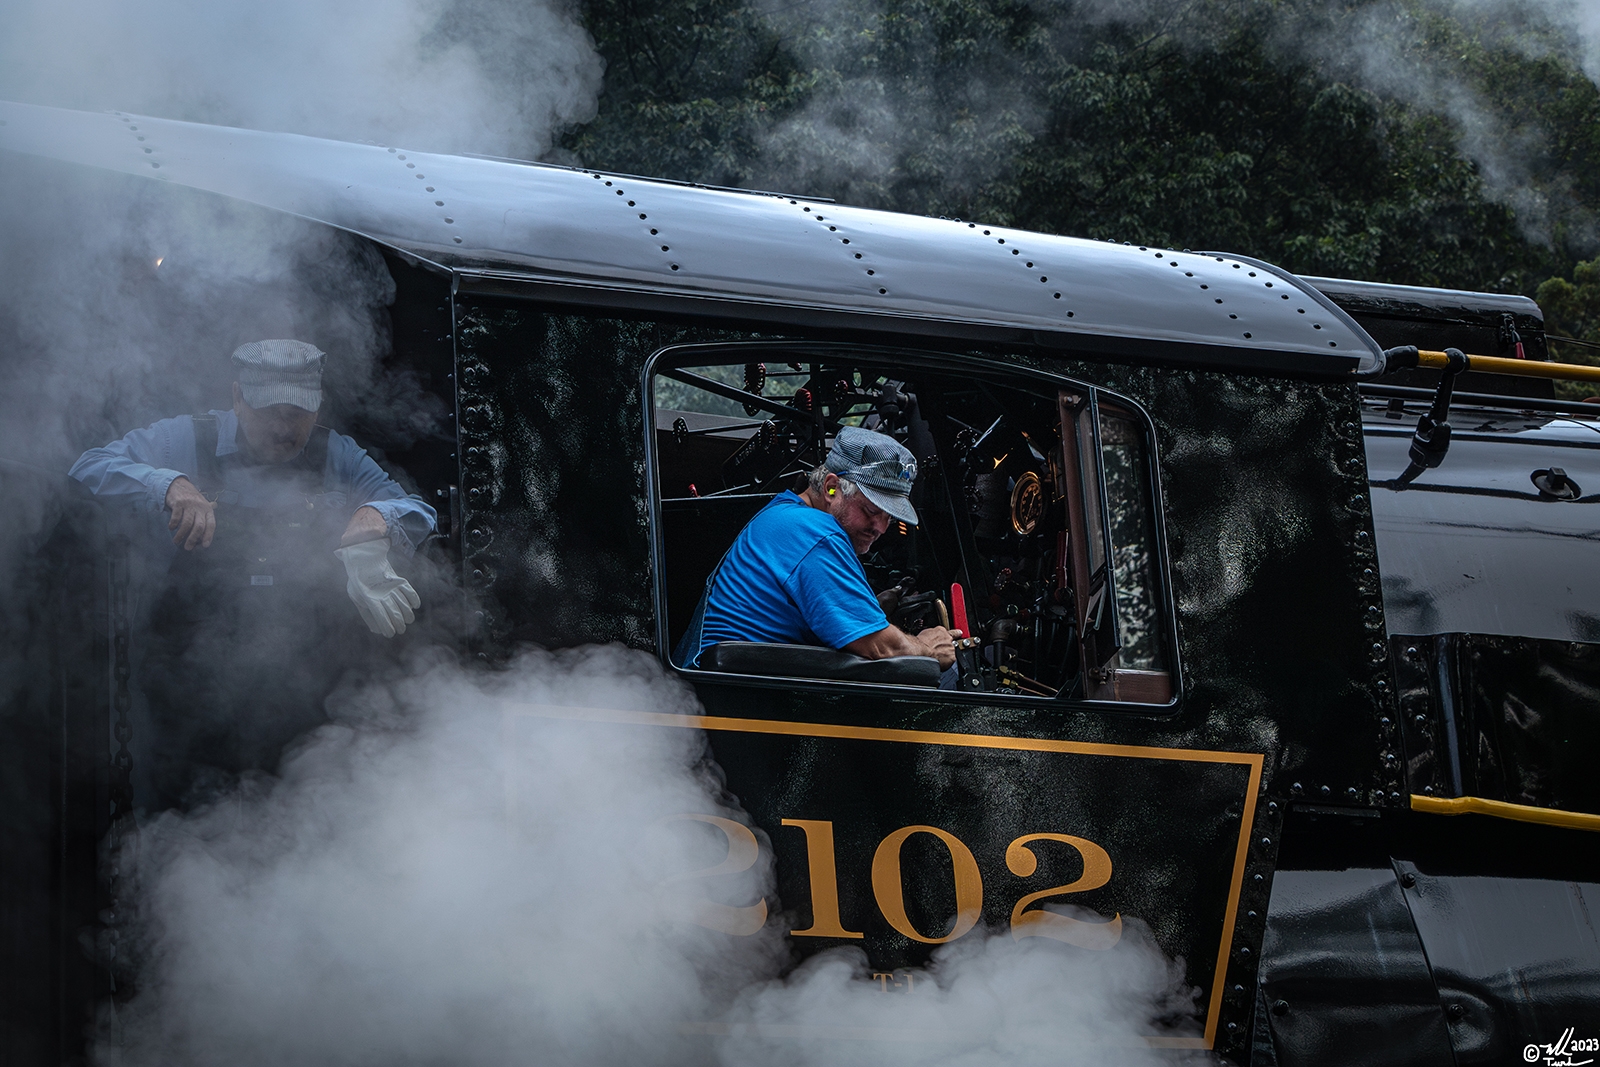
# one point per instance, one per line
(1473, 546)
(1280, 628)
(1507, 915)
(1485, 324)
(1344, 977)
(1504, 718)
(1278, 619)
(555, 530)
(1266, 520)
(1173, 864)
(1516, 960)
(1402, 937)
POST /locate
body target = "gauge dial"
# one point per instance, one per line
(1027, 504)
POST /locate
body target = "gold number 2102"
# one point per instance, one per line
(888, 886)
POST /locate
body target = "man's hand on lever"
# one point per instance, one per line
(193, 516)
(935, 641)
(940, 644)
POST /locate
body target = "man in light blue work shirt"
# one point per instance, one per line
(794, 575)
(282, 461)
(250, 630)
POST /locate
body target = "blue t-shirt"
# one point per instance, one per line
(791, 577)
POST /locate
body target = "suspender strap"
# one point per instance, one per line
(208, 472)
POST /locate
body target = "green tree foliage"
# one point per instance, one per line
(1411, 141)
(1572, 310)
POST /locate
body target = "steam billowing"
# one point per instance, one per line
(435, 880)
(965, 122)
(435, 877)
(437, 75)
(1380, 47)
(447, 875)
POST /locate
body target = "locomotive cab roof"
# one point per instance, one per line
(784, 258)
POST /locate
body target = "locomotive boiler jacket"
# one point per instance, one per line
(142, 465)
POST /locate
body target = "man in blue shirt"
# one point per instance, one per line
(794, 575)
(265, 456)
(251, 628)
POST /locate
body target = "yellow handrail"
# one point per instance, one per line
(1527, 368)
(1500, 809)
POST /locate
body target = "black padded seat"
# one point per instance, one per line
(814, 661)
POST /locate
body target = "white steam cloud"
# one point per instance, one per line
(961, 126)
(439, 75)
(1381, 47)
(443, 877)
(859, 131)
(431, 881)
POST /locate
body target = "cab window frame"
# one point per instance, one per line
(909, 363)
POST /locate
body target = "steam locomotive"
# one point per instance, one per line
(1283, 620)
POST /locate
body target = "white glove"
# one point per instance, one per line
(383, 597)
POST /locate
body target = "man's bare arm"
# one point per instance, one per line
(365, 525)
(935, 642)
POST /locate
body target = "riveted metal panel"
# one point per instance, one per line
(558, 224)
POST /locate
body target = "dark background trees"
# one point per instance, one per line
(1414, 141)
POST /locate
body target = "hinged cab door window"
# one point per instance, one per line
(1113, 554)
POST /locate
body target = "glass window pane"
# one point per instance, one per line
(1133, 560)
(672, 395)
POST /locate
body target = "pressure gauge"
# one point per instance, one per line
(1027, 504)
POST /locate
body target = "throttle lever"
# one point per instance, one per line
(967, 663)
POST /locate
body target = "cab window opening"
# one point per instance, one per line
(1035, 507)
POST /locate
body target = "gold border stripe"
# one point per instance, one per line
(1241, 855)
(1501, 809)
(879, 733)
(1240, 858)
